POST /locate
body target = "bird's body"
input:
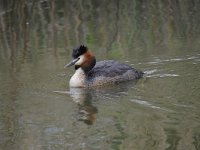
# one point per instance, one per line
(89, 73)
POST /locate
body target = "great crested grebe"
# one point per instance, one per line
(89, 73)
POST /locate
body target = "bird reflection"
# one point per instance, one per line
(86, 111)
(85, 96)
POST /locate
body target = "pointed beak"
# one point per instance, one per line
(71, 62)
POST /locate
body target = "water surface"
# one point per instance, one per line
(39, 111)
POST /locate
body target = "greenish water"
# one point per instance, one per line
(38, 110)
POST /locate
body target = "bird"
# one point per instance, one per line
(89, 73)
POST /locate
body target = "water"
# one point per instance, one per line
(39, 111)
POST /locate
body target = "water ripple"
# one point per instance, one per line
(163, 75)
(160, 61)
(147, 104)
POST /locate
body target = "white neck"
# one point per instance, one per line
(78, 79)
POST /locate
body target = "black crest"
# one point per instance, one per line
(79, 51)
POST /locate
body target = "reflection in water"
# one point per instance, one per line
(31, 28)
(83, 98)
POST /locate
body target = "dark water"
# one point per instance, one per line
(38, 110)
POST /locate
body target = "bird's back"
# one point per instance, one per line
(110, 71)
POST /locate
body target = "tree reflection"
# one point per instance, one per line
(117, 28)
